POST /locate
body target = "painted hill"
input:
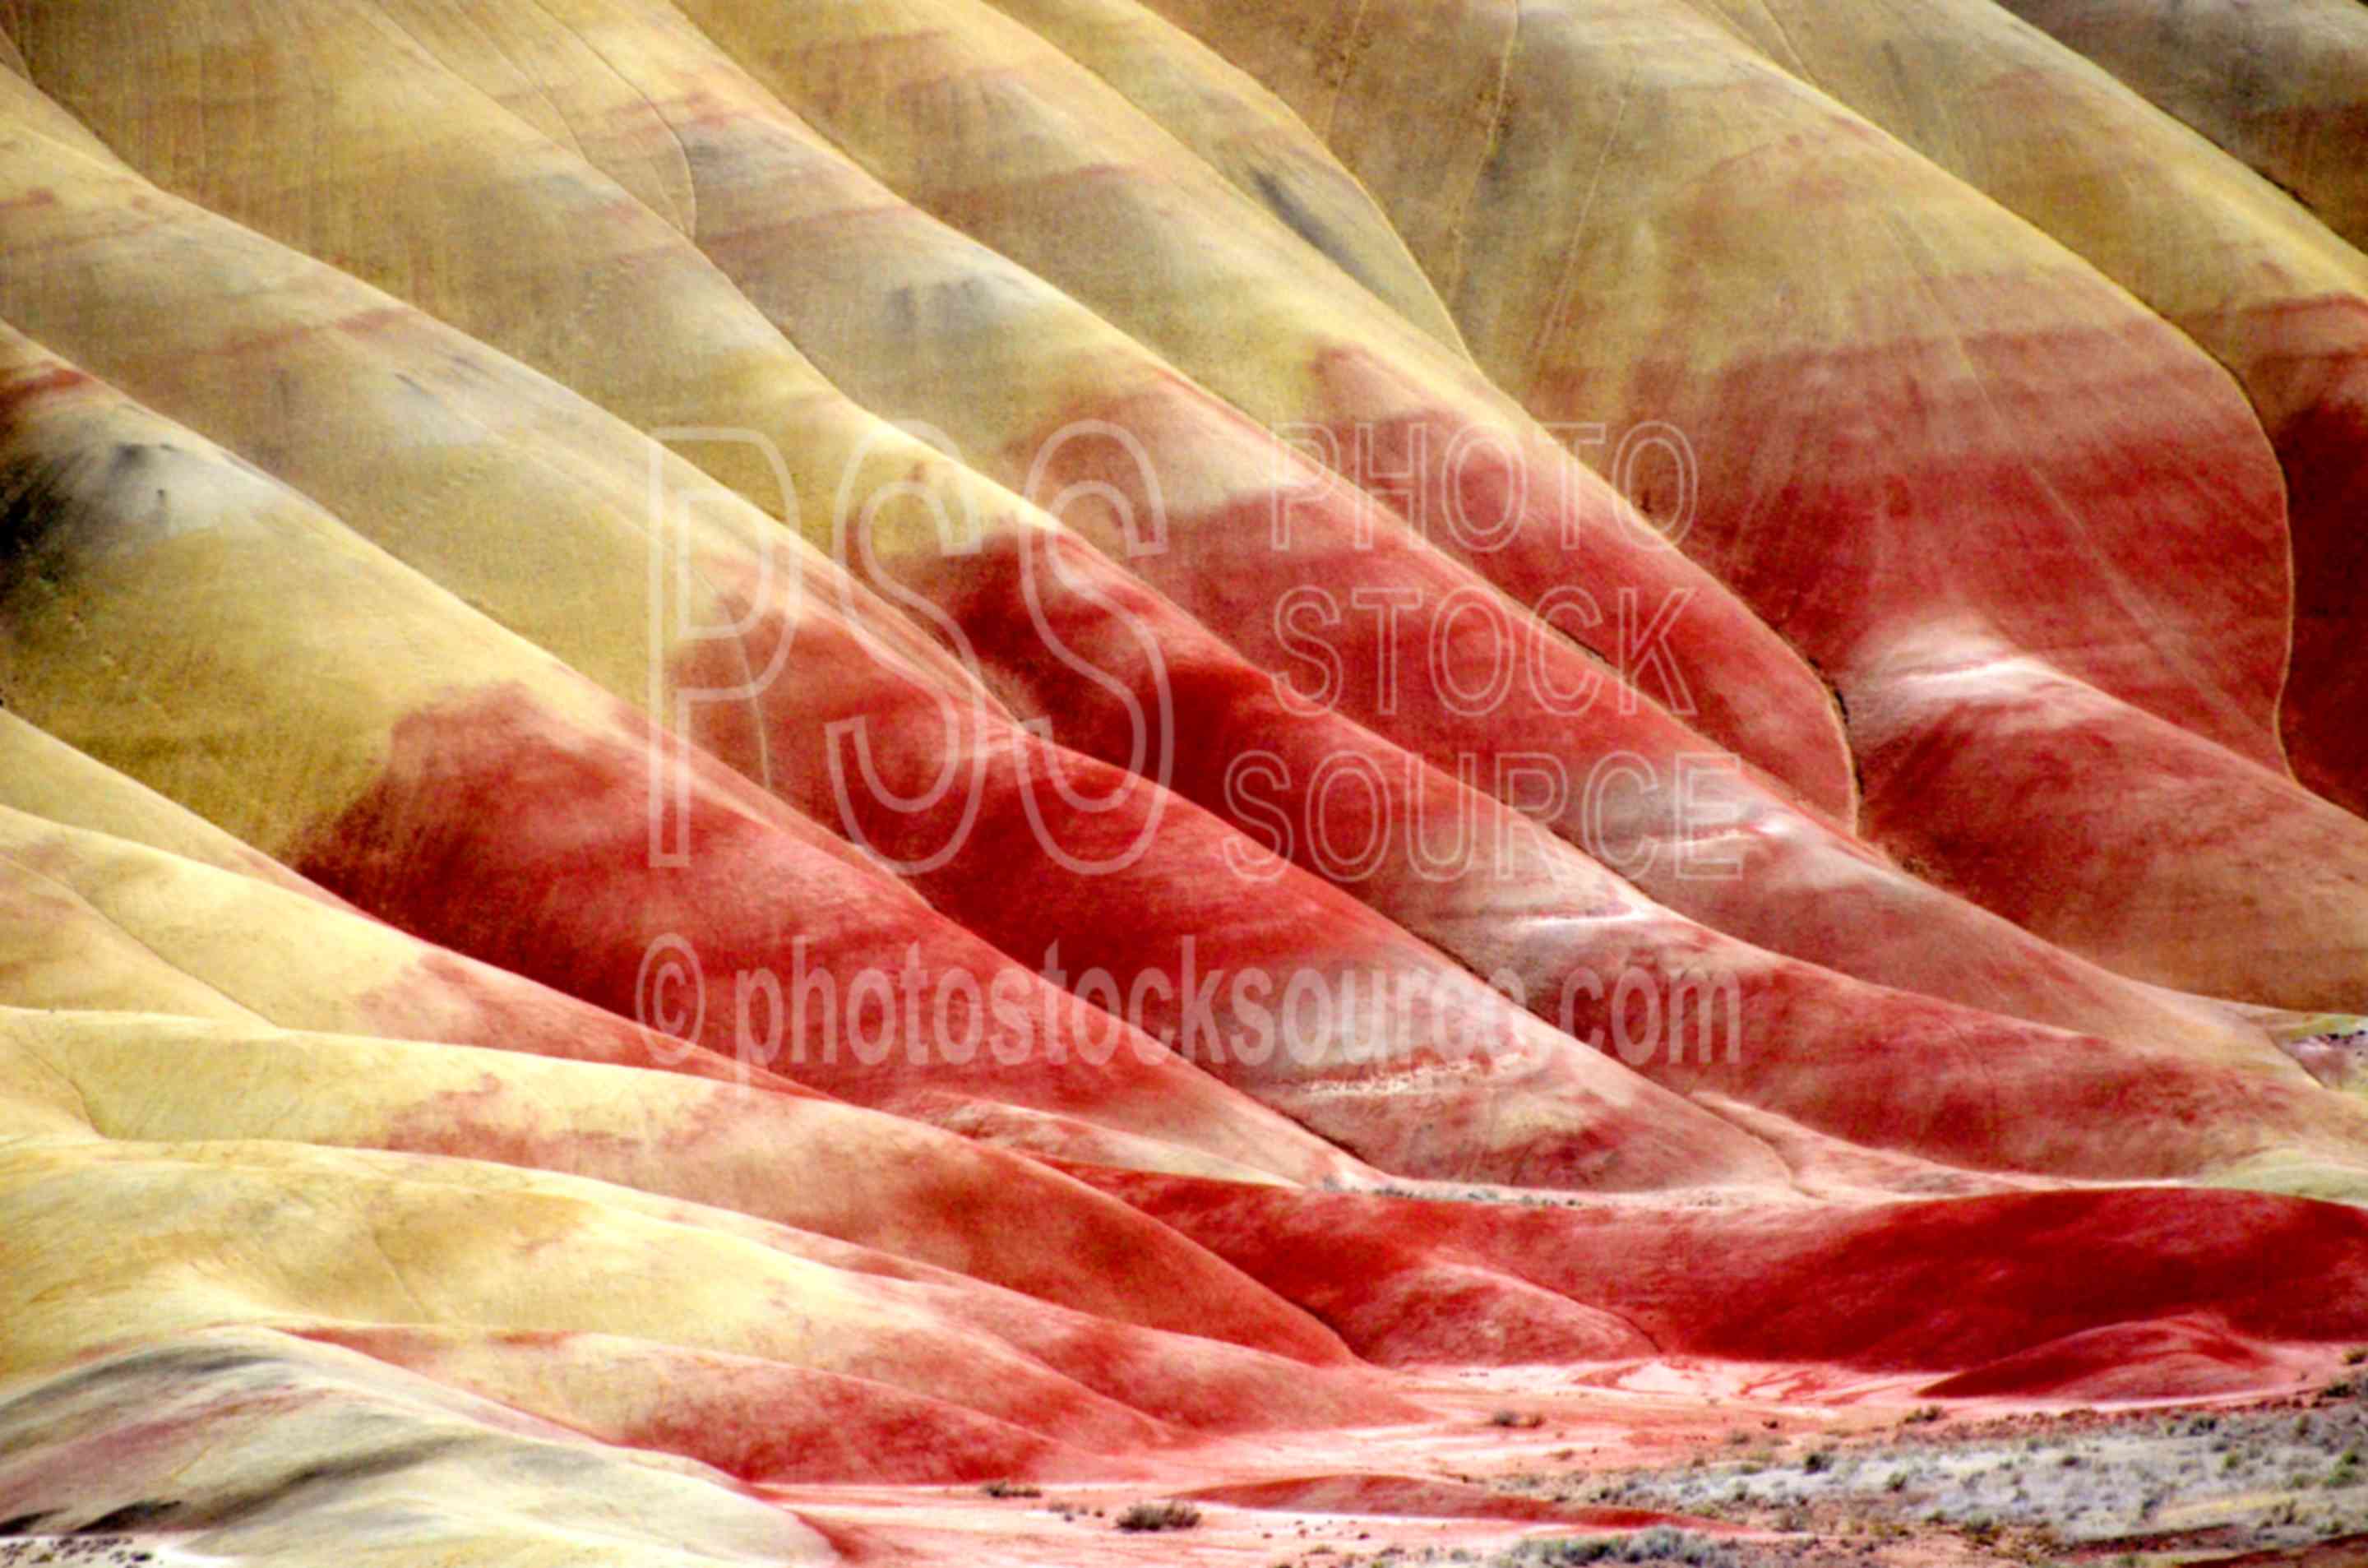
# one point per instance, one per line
(758, 758)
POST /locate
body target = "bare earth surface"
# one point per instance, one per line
(986, 782)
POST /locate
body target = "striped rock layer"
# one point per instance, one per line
(753, 752)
